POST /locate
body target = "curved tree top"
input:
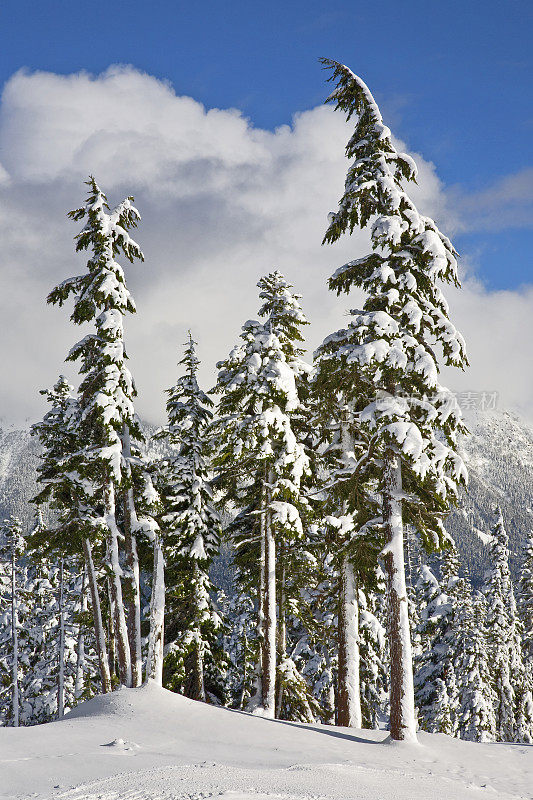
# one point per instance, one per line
(410, 254)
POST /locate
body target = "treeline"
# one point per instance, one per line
(320, 469)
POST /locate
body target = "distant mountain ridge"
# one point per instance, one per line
(498, 452)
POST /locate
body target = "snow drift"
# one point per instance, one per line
(149, 743)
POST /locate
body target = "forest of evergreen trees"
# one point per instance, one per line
(320, 478)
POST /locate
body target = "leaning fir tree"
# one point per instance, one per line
(411, 423)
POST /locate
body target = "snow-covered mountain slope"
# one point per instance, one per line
(148, 744)
(18, 463)
(499, 455)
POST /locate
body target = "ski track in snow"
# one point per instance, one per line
(182, 782)
(299, 782)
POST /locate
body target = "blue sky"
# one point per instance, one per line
(453, 78)
(224, 199)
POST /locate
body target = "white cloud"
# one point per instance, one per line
(506, 203)
(222, 203)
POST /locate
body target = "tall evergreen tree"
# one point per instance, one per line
(258, 444)
(410, 421)
(192, 528)
(107, 421)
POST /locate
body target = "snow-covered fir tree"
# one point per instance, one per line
(71, 497)
(45, 621)
(60, 672)
(13, 622)
(525, 612)
(373, 675)
(192, 535)
(435, 685)
(297, 573)
(239, 645)
(318, 617)
(259, 447)
(476, 718)
(409, 418)
(107, 424)
(504, 638)
(353, 519)
(525, 600)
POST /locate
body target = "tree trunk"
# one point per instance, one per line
(282, 623)
(198, 688)
(80, 647)
(256, 699)
(198, 685)
(133, 593)
(349, 691)
(101, 649)
(119, 617)
(154, 667)
(111, 634)
(269, 641)
(402, 704)
(61, 655)
(15, 641)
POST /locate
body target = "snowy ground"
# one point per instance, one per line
(148, 744)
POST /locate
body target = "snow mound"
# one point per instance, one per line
(184, 750)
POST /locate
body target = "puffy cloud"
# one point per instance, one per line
(222, 203)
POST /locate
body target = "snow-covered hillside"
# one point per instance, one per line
(18, 463)
(500, 462)
(150, 743)
(499, 455)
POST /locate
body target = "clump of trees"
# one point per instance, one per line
(310, 476)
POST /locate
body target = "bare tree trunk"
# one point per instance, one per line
(15, 640)
(133, 593)
(101, 649)
(402, 704)
(119, 617)
(269, 642)
(349, 692)
(80, 647)
(61, 657)
(154, 667)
